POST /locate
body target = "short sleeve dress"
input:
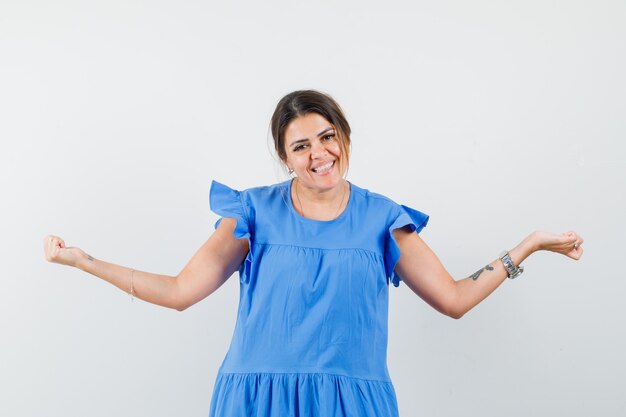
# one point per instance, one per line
(311, 332)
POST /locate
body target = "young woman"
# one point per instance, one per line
(315, 256)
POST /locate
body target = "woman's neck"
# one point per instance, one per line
(320, 205)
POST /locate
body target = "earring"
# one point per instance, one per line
(290, 171)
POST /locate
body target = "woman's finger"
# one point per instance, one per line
(52, 246)
(576, 253)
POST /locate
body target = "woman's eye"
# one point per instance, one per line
(328, 137)
(299, 148)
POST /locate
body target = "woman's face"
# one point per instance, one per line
(313, 152)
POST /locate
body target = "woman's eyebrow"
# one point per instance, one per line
(324, 131)
(305, 139)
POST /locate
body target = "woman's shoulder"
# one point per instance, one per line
(255, 190)
(365, 196)
(252, 196)
(376, 204)
(266, 194)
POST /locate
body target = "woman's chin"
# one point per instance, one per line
(322, 183)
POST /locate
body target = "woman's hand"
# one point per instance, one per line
(55, 251)
(568, 243)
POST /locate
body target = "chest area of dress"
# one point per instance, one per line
(318, 260)
(315, 275)
(349, 232)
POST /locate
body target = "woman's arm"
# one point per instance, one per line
(423, 272)
(208, 269)
(212, 265)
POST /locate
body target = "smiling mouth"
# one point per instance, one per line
(323, 168)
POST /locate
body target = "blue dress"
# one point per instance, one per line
(311, 331)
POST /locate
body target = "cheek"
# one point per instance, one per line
(294, 161)
(334, 148)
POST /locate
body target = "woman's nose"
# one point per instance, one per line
(318, 150)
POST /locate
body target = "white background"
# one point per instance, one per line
(496, 118)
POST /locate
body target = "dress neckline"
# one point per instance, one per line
(301, 217)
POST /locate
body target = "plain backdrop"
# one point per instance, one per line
(496, 118)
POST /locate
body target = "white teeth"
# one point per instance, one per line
(324, 167)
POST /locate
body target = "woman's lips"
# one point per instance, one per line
(323, 169)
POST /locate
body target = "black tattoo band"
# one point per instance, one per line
(476, 274)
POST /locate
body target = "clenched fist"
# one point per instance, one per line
(55, 251)
(568, 243)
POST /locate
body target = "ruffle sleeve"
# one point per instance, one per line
(416, 220)
(227, 202)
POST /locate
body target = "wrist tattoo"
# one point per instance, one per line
(476, 274)
(90, 257)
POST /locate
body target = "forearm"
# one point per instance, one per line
(475, 288)
(153, 288)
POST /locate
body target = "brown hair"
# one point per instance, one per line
(302, 102)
